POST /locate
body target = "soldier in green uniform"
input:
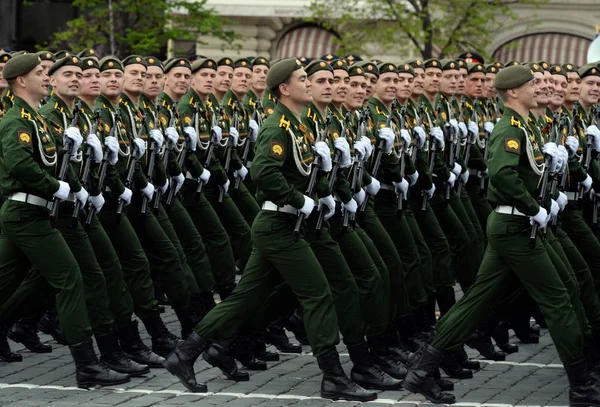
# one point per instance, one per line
(282, 166)
(515, 165)
(222, 80)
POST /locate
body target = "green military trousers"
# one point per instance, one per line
(480, 203)
(276, 255)
(244, 201)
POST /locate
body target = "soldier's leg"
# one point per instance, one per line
(475, 248)
(244, 201)
(420, 286)
(465, 199)
(480, 204)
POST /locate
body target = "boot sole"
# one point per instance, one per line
(336, 396)
(214, 363)
(415, 390)
(87, 385)
(175, 372)
(11, 359)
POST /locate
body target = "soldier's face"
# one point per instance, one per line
(590, 90)
(3, 83)
(449, 81)
(46, 64)
(203, 80)
(134, 78)
(371, 83)
(573, 87)
(298, 88)
(36, 82)
(432, 80)
(341, 79)
(240, 85)
(111, 83)
(356, 92)
(462, 78)
(259, 77)
(490, 91)
(321, 83)
(560, 89)
(541, 89)
(155, 80)
(224, 77)
(90, 83)
(405, 86)
(550, 82)
(419, 82)
(67, 81)
(178, 80)
(475, 85)
(526, 94)
(387, 87)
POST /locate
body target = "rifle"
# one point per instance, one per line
(562, 175)
(64, 165)
(154, 151)
(230, 148)
(321, 136)
(453, 139)
(246, 151)
(359, 168)
(130, 170)
(432, 151)
(182, 156)
(486, 153)
(86, 170)
(401, 196)
(168, 150)
(595, 113)
(469, 143)
(210, 151)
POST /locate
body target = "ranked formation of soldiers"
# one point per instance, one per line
(350, 195)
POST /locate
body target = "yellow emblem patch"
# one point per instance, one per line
(163, 120)
(25, 138)
(512, 145)
(276, 150)
(187, 120)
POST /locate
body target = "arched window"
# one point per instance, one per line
(555, 48)
(309, 41)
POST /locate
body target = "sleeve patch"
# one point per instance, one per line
(163, 120)
(512, 145)
(276, 150)
(24, 137)
(187, 119)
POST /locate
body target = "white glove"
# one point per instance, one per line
(164, 188)
(430, 191)
(253, 133)
(595, 133)
(140, 148)
(126, 196)
(190, 132)
(97, 201)
(148, 191)
(551, 149)
(498, 119)
(374, 187)
(341, 144)
(82, 196)
(413, 178)
(457, 169)
(554, 209)
(454, 124)
(451, 180)
(388, 136)
(307, 208)
(438, 135)
(367, 142)
(401, 187)
(572, 144)
(179, 180)
(359, 197)
(541, 218)
(241, 173)
(233, 133)
(463, 130)
(205, 176)
(113, 149)
(73, 134)
(360, 149)
(327, 204)
(563, 157)
(63, 190)
(172, 135)
(225, 186)
(351, 206)
(419, 133)
(156, 136)
(465, 177)
(473, 128)
(217, 134)
(94, 143)
(586, 183)
(562, 201)
(405, 136)
(488, 127)
(322, 150)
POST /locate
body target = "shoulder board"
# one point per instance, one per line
(230, 102)
(251, 102)
(58, 107)
(163, 103)
(191, 102)
(379, 111)
(515, 122)
(25, 114)
(272, 98)
(209, 103)
(284, 124)
(548, 119)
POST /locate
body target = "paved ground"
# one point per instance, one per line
(531, 377)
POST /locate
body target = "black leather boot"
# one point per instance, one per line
(445, 384)
(384, 358)
(295, 324)
(500, 336)
(463, 359)
(113, 356)
(180, 362)
(336, 385)
(421, 376)
(6, 354)
(453, 368)
(366, 374)
(241, 350)
(396, 345)
(275, 335)
(25, 332)
(483, 344)
(225, 290)
(187, 319)
(89, 371)
(258, 347)
(407, 332)
(50, 325)
(584, 391)
(134, 348)
(216, 356)
(163, 341)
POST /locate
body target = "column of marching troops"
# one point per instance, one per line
(352, 195)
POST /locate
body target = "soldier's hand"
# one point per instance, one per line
(157, 137)
(94, 143)
(488, 127)
(351, 206)
(463, 130)
(413, 178)
(595, 133)
(242, 173)
(572, 145)
(359, 197)
(360, 150)
(126, 196)
(97, 201)
(464, 177)
(63, 190)
(112, 145)
(454, 124)
(430, 191)
(405, 136)
(401, 187)
(327, 204)
(322, 150)
(541, 218)
(225, 186)
(82, 196)
(387, 135)
(74, 136)
(554, 209)
(367, 142)
(164, 187)
(586, 183)
(178, 180)
(192, 137)
(205, 176)
(457, 169)
(235, 135)
(148, 191)
(217, 134)
(438, 136)
(172, 135)
(307, 208)
(420, 135)
(253, 133)
(563, 156)
(374, 187)
(551, 150)
(140, 148)
(451, 180)
(562, 200)
(341, 144)
(473, 128)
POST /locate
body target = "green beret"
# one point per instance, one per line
(281, 72)
(89, 63)
(475, 68)
(61, 54)
(589, 70)
(22, 52)
(20, 65)
(416, 63)
(204, 63)
(512, 63)
(46, 56)
(305, 61)
(4, 56)
(461, 63)
(339, 64)
(535, 67)
(134, 59)
(316, 66)
(356, 70)
(386, 67)
(153, 61)
(545, 65)
(449, 64)
(66, 61)
(498, 64)
(261, 61)
(242, 63)
(225, 62)
(177, 63)
(432, 63)
(492, 68)
(86, 53)
(369, 67)
(406, 68)
(110, 62)
(570, 68)
(513, 77)
(558, 70)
